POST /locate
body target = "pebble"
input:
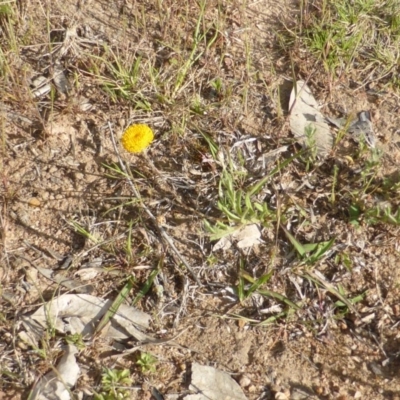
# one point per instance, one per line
(34, 202)
(252, 389)
(31, 275)
(244, 381)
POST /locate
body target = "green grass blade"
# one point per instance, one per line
(297, 245)
(146, 287)
(278, 296)
(259, 282)
(323, 248)
(259, 185)
(123, 294)
(314, 277)
(211, 144)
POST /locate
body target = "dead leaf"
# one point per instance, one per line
(225, 243)
(360, 128)
(80, 313)
(60, 80)
(41, 86)
(245, 236)
(212, 384)
(28, 338)
(88, 274)
(56, 384)
(63, 280)
(34, 202)
(305, 116)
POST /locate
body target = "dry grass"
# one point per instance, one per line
(210, 79)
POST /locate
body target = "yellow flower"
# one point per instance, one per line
(136, 138)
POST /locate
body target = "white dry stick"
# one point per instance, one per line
(306, 120)
(150, 214)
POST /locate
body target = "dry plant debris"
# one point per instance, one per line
(213, 384)
(306, 121)
(244, 250)
(79, 314)
(360, 128)
(56, 385)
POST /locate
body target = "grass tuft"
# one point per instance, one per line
(359, 39)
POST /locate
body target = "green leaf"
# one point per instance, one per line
(116, 304)
(259, 185)
(147, 285)
(258, 283)
(270, 293)
(297, 245)
(248, 203)
(321, 249)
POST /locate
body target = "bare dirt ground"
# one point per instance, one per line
(55, 156)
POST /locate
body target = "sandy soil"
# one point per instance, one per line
(54, 174)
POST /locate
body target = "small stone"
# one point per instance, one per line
(182, 366)
(275, 388)
(7, 337)
(376, 369)
(22, 345)
(342, 325)
(31, 275)
(252, 389)
(319, 390)
(244, 381)
(34, 202)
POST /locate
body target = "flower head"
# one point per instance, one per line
(136, 138)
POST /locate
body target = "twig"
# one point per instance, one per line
(156, 342)
(150, 214)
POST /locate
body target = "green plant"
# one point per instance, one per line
(238, 200)
(148, 284)
(245, 291)
(113, 308)
(201, 37)
(147, 362)
(342, 307)
(379, 214)
(310, 253)
(334, 184)
(83, 231)
(218, 85)
(114, 384)
(76, 339)
(320, 281)
(372, 212)
(344, 259)
(248, 286)
(121, 77)
(362, 36)
(197, 106)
